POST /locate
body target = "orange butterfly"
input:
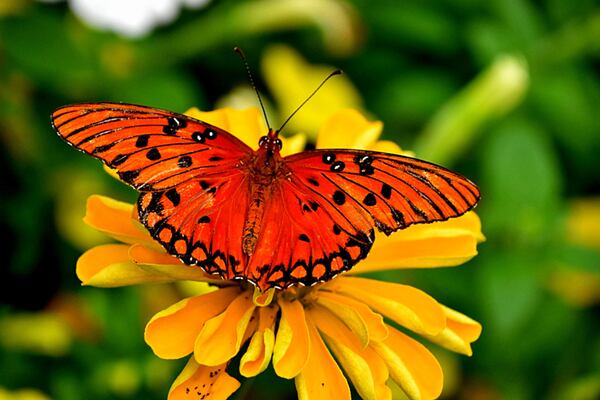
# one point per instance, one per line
(254, 215)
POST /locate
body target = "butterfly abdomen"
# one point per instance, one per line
(256, 209)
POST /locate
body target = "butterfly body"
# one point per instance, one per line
(254, 215)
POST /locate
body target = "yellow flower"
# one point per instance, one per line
(346, 327)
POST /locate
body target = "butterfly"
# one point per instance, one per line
(212, 201)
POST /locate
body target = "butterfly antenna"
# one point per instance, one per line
(262, 106)
(336, 72)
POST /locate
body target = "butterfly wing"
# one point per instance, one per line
(188, 172)
(151, 149)
(333, 200)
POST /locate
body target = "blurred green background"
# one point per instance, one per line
(506, 92)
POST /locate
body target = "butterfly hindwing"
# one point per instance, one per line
(151, 149)
(200, 222)
(296, 246)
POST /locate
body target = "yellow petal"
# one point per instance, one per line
(365, 369)
(387, 146)
(578, 287)
(291, 79)
(221, 336)
(293, 144)
(115, 219)
(348, 129)
(411, 366)
(247, 125)
(440, 244)
(109, 266)
(200, 381)
(172, 332)
(365, 324)
(583, 222)
(321, 378)
(292, 344)
(403, 304)
(459, 333)
(158, 262)
(257, 357)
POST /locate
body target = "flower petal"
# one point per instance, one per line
(387, 146)
(365, 324)
(115, 219)
(403, 304)
(411, 366)
(221, 336)
(172, 332)
(201, 381)
(292, 144)
(348, 129)
(290, 78)
(109, 266)
(439, 244)
(158, 262)
(363, 366)
(292, 343)
(247, 125)
(322, 377)
(460, 332)
(257, 357)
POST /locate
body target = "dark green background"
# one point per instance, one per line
(415, 56)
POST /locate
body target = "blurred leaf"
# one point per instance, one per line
(521, 183)
(170, 90)
(509, 293)
(411, 97)
(492, 94)
(586, 388)
(565, 98)
(41, 45)
(414, 25)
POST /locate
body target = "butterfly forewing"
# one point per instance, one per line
(151, 149)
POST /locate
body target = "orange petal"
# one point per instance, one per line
(158, 262)
(362, 365)
(109, 266)
(366, 324)
(114, 218)
(403, 304)
(247, 125)
(292, 344)
(440, 244)
(200, 381)
(257, 357)
(460, 332)
(348, 129)
(411, 366)
(221, 336)
(172, 332)
(322, 377)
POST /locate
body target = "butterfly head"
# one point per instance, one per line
(271, 142)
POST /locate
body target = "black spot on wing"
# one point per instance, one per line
(370, 200)
(339, 197)
(142, 141)
(153, 154)
(184, 161)
(173, 196)
(386, 191)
